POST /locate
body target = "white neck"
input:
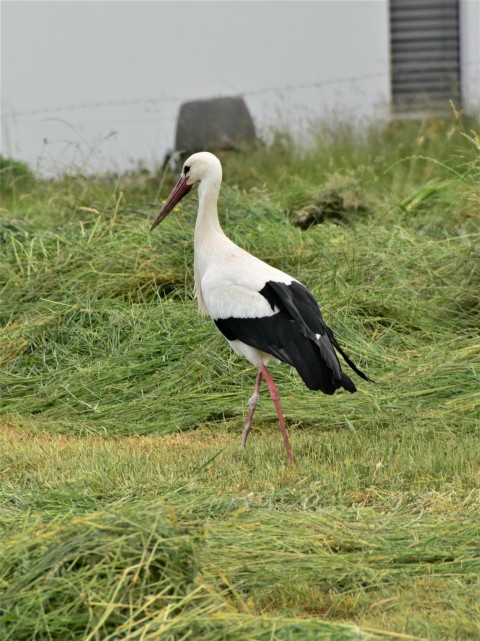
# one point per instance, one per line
(209, 236)
(207, 217)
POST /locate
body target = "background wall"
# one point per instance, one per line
(97, 85)
(470, 53)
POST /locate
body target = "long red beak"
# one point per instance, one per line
(176, 195)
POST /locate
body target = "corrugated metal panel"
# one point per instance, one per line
(425, 54)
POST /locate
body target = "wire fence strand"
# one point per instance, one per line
(175, 99)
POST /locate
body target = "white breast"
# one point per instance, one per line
(231, 282)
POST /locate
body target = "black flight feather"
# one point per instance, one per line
(346, 358)
(295, 334)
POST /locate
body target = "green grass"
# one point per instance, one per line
(128, 509)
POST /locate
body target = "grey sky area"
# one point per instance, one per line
(62, 54)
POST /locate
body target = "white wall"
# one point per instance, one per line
(291, 59)
(470, 54)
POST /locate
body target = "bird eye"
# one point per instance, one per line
(186, 169)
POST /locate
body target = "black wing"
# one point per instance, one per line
(295, 334)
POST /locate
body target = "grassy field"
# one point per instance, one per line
(129, 511)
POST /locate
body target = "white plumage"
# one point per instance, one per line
(264, 313)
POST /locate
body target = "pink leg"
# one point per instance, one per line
(275, 396)
(252, 403)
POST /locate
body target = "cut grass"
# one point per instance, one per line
(260, 541)
(129, 510)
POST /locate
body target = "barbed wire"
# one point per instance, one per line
(172, 99)
(131, 102)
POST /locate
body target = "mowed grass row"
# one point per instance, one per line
(129, 510)
(92, 339)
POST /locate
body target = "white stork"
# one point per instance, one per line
(263, 313)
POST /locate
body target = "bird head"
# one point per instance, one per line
(199, 169)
